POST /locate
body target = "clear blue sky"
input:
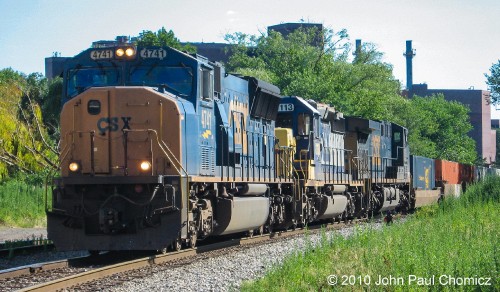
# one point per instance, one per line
(456, 41)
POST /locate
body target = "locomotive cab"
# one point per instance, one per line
(300, 116)
(140, 169)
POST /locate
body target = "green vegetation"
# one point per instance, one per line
(29, 114)
(309, 63)
(26, 146)
(458, 238)
(437, 128)
(22, 202)
(493, 81)
(162, 38)
(317, 65)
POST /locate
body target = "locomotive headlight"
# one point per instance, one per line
(129, 52)
(145, 165)
(74, 167)
(120, 52)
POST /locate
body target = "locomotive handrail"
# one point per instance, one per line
(163, 146)
(305, 152)
(65, 151)
(286, 166)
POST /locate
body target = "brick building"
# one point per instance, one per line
(480, 115)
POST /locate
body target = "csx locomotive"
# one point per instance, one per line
(160, 149)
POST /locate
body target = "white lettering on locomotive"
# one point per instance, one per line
(153, 53)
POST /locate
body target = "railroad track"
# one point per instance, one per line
(18, 250)
(79, 272)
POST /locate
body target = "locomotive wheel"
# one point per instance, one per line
(192, 240)
(260, 230)
(177, 244)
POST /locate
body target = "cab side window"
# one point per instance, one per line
(304, 124)
(207, 84)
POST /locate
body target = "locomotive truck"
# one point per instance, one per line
(160, 149)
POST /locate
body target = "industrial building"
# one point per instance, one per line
(476, 100)
(480, 115)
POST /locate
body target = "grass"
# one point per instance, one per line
(22, 204)
(458, 239)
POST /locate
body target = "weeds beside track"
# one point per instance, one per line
(458, 239)
(22, 204)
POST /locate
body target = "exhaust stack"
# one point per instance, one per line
(409, 54)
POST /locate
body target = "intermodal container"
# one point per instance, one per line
(480, 173)
(466, 173)
(447, 172)
(423, 170)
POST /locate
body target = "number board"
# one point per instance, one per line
(286, 107)
(101, 54)
(153, 53)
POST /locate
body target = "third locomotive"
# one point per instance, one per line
(160, 148)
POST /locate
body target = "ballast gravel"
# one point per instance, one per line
(226, 272)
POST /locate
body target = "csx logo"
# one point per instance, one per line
(112, 124)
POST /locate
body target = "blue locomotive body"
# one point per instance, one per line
(160, 149)
(170, 133)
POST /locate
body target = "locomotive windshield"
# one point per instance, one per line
(177, 79)
(81, 79)
(152, 67)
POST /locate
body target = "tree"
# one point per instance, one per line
(493, 81)
(25, 145)
(438, 128)
(162, 38)
(321, 72)
(51, 107)
(362, 87)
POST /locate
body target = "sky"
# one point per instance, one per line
(456, 41)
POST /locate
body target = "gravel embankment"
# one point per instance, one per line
(226, 272)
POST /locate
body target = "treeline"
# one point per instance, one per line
(309, 63)
(29, 119)
(319, 65)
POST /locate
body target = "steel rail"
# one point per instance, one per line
(99, 273)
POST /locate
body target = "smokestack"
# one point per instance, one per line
(357, 52)
(409, 54)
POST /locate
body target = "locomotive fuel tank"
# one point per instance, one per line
(335, 206)
(241, 214)
(391, 199)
